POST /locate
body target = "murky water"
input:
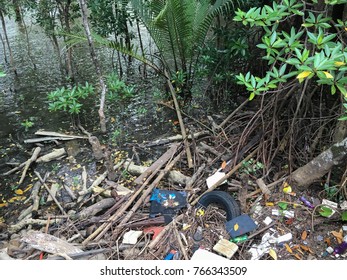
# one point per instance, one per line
(24, 97)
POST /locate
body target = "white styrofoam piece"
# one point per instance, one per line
(210, 181)
(284, 238)
(267, 221)
(131, 237)
(330, 203)
(288, 214)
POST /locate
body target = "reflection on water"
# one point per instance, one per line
(24, 97)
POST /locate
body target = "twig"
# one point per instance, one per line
(182, 127)
(28, 163)
(178, 237)
(50, 193)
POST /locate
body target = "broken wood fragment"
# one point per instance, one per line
(17, 227)
(94, 209)
(264, 188)
(56, 153)
(28, 163)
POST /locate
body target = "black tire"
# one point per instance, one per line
(224, 200)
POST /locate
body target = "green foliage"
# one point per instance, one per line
(325, 211)
(109, 16)
(117, 89)
(27, 124)
(179, 28)
(330, 191)
(307, 52)
(251, 166)
(69, 100)
(116, 135)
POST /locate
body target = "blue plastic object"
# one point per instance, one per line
(240, 225)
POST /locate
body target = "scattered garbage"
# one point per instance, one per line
(225, 248)
(341, 248)
(172, 255)
(240, 225)
(210, 181)
(257, 251)
(153, 230)
(174, 221)
(267, 221)
(224, 200)
(328, 251)
(239, 239)
(167, 202)
(306, 202)
(131, 237)
(284, 238)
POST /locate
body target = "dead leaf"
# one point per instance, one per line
(327, 241)
(18, 191)
(338, 236)
(304, 235)
(305, 248)
(273, 253)
(224, 164)
(288, 248)
(297, 256)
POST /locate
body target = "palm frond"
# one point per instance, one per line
(178, 27)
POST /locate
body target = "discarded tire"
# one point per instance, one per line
(222, 199)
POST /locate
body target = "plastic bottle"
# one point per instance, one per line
(342, 247)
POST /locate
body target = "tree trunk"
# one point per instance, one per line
(25, 29)
(4, 48)
(17, 11)
(7, 41)
(319, 166)
(83, 8)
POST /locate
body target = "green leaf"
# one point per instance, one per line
(344, 118)
(344, 216)
(325, 211)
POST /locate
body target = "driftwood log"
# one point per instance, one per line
(95, 208)
(320, 165)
